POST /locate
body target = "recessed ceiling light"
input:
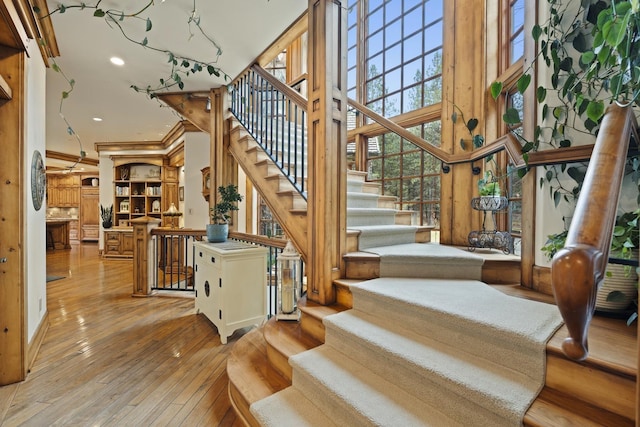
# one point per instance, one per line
(97, 119)
(117, 61)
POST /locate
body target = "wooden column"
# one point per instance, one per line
(326, 203)
(464, 86)
(143, 266)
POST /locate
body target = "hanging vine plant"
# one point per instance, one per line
(181, 66)
(592, 49)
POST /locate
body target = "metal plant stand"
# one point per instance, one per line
(484, 238)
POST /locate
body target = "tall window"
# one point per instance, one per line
(394, 62)
(516, 30)
(403, 55)
(512, 16)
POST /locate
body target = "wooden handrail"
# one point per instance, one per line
(298, 99)
(259, 239)
(578, 270)
(507, 142)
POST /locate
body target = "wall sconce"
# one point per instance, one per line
(288, 283)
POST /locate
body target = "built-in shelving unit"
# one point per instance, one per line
(142, 189)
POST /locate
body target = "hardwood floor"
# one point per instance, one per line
(111, 359)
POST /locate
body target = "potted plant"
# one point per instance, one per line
(489, 190)
(228, 198)
(619, 287)
(106, 213)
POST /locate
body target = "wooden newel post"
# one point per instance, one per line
(143, 255)
(327, 110)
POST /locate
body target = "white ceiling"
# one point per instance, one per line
(242, 28)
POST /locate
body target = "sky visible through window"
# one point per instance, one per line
(403, 54)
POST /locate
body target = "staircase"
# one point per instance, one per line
(370, 216)
(597, 392)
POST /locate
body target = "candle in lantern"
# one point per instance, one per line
(287, 292)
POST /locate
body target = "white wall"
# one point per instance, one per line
(195, 209)
(549, 218)
(35, 270)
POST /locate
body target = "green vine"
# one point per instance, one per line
(181, 66)
(593, 51)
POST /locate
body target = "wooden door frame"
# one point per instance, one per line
(13, 317)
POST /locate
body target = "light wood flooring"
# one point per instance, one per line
(110, 359)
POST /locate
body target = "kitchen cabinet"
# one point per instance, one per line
(231, 285)
(90, 214)
(63, 190)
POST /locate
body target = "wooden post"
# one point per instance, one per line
(326, 202)
(464, 86)
(143, 255)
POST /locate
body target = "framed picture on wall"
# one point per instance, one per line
(181, 193)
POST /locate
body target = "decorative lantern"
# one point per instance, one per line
(288, 283)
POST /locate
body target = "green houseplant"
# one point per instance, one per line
(227, 202)
(591, 49)
(488, 187)
(619, 288)
(106, 213)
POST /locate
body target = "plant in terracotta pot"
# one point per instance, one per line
(228, 198)
(106, 213)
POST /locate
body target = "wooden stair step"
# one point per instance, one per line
(285, 339)
(361, 265)
(552, 408)
(251, 376)
(606, 380)
(312, 315)
(343, 292)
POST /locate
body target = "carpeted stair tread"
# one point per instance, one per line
(289, 408)
(383, 235)
(435, 372)
(370, 216)
(411, 345)
(356, 396)
(362, 200)
(469, 303)
(427, 260)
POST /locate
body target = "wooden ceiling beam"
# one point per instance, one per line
(190, 105)
(70, 158)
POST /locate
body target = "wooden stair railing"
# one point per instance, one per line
(578, 269)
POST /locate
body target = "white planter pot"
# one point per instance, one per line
(622, 279)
